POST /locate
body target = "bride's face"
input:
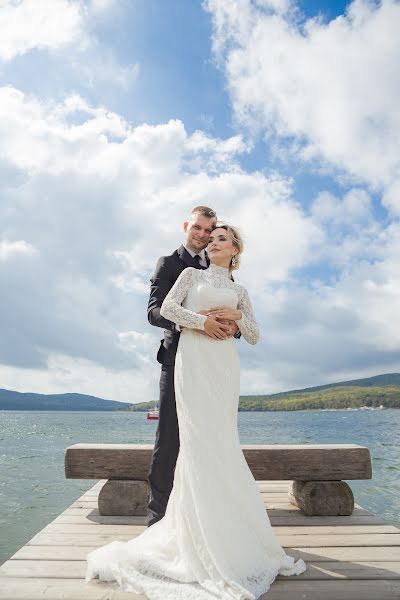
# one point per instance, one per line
(220, 247)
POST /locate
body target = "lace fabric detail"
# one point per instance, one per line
(247, 324)
(215, 541)
(219, 278)
(143, 578)
(172, 308)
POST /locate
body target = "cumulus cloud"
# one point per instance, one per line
(325, 94)
(66, 373)
(95, 201)
(103, 9)
(354, 208)
(99, 200)
(328, 91)
(66, 30)
(341, 330)
(42, 24)
(12, 249)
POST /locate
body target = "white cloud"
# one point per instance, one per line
(64, 373)
(101, 6)
(45, 24)
(97, 201)
(354, 208)
(17, 248)
(100, 200)
(66, 30)
(330, 89)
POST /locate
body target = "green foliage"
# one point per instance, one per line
(339, 397)
(141, 406)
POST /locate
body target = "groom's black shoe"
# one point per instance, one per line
(157, 505)
(152, 518)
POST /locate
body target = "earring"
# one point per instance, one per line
(233, 261)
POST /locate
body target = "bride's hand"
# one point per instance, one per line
(216, 330)
(229, 314)
(233, 328)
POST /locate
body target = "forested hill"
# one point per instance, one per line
(11, 400)
(339, 397)
(372, 391)
(380, 390)
(388, 379)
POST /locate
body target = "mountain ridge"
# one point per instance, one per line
(383, 388)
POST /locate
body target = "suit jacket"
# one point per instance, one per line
(167, 272)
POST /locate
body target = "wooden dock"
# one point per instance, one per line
(348, 558)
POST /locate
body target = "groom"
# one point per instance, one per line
(192, 253)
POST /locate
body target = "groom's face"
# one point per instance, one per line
(198, 230)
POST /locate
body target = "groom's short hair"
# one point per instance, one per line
(205, 211)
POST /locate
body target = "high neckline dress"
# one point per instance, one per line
(215, 541)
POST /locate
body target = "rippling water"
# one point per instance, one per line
(33, 489)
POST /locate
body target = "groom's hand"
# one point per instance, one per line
(233, 327)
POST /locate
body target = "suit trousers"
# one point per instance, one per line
(166, 448)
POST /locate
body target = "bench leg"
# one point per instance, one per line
(322, 498)
(125, 497)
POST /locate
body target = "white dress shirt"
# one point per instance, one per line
(202, 255)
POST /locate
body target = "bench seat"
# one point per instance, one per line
(316, 471)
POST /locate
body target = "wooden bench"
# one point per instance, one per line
(316, 472)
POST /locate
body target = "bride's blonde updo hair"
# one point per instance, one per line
(237, 241)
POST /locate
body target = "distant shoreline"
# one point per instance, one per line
(31, 410)
(362, 394)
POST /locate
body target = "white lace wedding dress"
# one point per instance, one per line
(215, 541)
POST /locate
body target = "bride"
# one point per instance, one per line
(215, 541)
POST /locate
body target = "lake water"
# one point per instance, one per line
(33, 489)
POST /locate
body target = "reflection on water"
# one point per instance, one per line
(33, 489)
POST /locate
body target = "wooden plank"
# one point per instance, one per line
(350, 570)
(294, 519)
(273, 508)
(347, 558)
(352, 530)
(280, 485)
(272, 499)
(316, 570)
(279, 496)
(19, 588)
(93, 528)
(287, 541)
(266, 462)
(333, 590)
(350, 553)
(66, 539)
(100, 519)
(300, 520)
(133, 529)
(269, 506)
(284, 589)
(293, 509)
(358, 553)
(372, 539)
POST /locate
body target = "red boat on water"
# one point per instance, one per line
(153, 413)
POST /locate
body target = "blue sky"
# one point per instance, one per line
(117, 117)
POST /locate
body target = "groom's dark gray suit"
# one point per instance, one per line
(166, 448)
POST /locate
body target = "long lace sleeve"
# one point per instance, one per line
(172, 308)
(247, 324)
